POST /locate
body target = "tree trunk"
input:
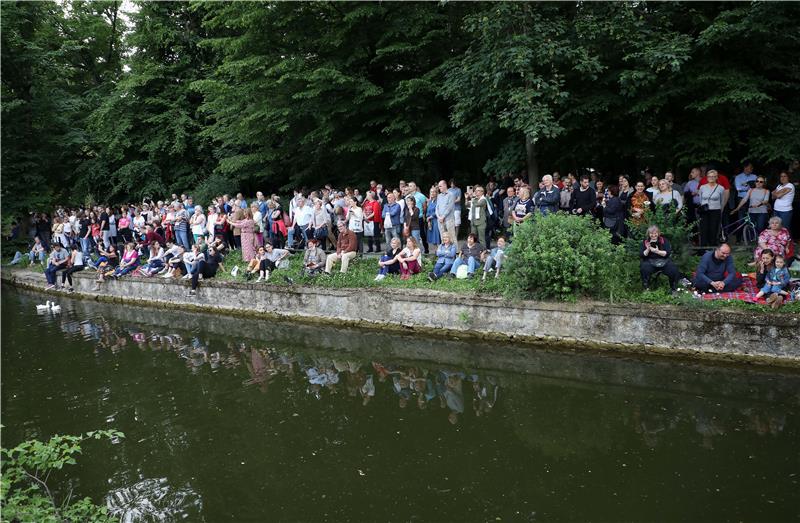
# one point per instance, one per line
(533, 163)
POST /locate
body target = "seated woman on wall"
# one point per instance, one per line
(106, 264)
(76, 264)
(775, 237)
(389, 263)
(129, 261)
(155, 261)
(191, 260)
(173, 258)
(409, 259)
(655, 257)
(445, 257)
(493, 259)
(207, 267)
(470, 255)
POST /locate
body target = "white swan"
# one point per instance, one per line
(43, 308)
(55, 309)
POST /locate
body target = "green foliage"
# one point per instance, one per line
(564, 256)
(25, 494)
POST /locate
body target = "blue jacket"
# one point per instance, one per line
(712, 269)
(445, 253)
(393, 210)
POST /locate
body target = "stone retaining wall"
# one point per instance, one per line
(665, 330)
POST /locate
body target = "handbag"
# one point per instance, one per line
(369, 229)
(610, 222)
(658, 263)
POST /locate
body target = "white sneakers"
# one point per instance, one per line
(379, 277)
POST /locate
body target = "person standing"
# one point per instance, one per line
(548, 197)
(477, 212)
(784, 196)
(445, 210)
(712, 200)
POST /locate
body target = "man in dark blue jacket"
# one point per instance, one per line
(716, 272)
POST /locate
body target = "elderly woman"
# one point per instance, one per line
(655, 257)
(445, 257)
(775, 238)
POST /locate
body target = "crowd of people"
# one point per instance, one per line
(329, 228)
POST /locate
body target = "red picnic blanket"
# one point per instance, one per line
(746, 292)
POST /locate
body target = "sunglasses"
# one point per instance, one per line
(759, 181)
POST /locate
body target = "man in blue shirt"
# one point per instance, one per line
(716, 272)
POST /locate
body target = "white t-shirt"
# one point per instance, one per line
(199, 227)
(784, 203)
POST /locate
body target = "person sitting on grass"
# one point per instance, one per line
(129, 261)
(655, 257)
(493, 259)
(314, 258)
(173, 258)
(409, 259)
(346, 245)
(274, 259)
(716, 272)
(58, 262)
(389, 263)
(445, 257)
(777, 281)
(37, 251)
(470, 255)
(254, 265)
(207, 267)
(766, 262)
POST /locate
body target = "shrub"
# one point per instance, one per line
(564, 256)
(24, 492)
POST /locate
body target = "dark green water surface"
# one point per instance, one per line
(244, 420)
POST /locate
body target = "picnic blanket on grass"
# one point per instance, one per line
(747, 292)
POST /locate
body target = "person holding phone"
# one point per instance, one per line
(655, 257)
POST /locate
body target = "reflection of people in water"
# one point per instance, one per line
(452, 394)
(485, 395)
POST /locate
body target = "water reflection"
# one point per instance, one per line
(227, 416)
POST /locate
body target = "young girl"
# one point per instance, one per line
(255, 265)
(777, 281)
(409, 259)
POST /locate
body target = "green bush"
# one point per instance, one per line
(24, 491)
(564, 256)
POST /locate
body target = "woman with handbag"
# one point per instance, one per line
(711, 202)
(655, 257)
(372, 222)
(355, 221)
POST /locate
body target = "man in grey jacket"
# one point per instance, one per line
(445, 210)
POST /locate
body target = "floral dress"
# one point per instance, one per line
(247, 228)
(777, 243)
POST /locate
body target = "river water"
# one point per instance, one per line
(245, 420)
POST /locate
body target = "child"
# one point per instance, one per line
(776, 283)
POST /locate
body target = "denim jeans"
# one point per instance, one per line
(50, 272)
(389, 269)
(182, 237)
(760, 220)
(493, 262)
(107, 239)
(472, 264)
(441, 267)
(86, 247)
(42, 256)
